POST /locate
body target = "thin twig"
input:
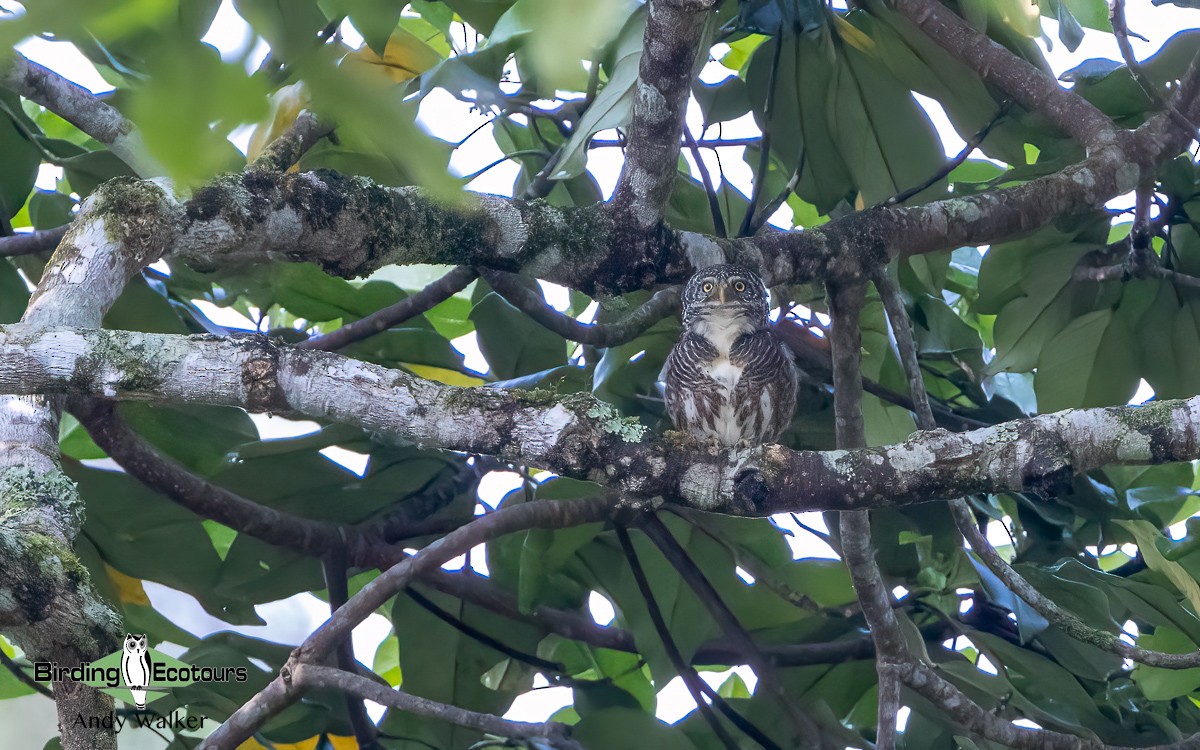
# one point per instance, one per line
(605, 335)
(725, 618)
(306, 677)
(691, 679)
(902, 332)
(764, 154)
(23, 677)
(336, 569)
(714, 205)
(1120, 27)
(379, 321)
(28, 243)
(478, 635)
(765, 213)
(956, 162)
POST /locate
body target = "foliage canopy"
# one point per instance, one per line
(1023, 323)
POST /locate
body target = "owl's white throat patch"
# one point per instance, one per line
(723, 327)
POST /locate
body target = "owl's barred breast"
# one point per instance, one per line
(722, 328)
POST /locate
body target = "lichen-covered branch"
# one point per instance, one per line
(351, 226)
(581, 437)
(47, 602)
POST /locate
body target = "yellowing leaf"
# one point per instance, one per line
(852, 35)
(1146, 536)
(405, 57)
(443, 375)
(338, 743)
(129, 590)
(286, 105)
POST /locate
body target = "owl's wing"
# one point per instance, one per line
(766, 391)
(692, 397)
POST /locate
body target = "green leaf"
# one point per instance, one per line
(613, 106)
(1070, 33)
(798, 120)
(774, 17)
(721, 102)
(13, 293)
(885, 138)
(622, 728)
(21, 159)
(176, 126)
(441, 663)
(144, 535)
(48, 209)
(512, 342)
(1165, 684)
(289, 26)
(1029, 622)
(1089, 363)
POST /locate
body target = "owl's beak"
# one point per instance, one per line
(721, 287)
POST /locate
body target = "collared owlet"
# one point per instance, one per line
(729, 379)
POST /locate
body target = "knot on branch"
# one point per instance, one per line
(260, 375)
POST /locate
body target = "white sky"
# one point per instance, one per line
(291, 620)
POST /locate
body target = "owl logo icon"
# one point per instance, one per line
(135, 667)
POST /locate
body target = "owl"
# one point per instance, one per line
(135, 667)
(729, 380)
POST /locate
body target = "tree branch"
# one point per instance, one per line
(241, 220)
(336, 571)
(674, 30)
(81, 108)
(1048, 608)
(286, 150)
(27, 243)
(1030, 87)
(410, 307)
(602, 335)
(306, 677)
(845, 307)
(281, 692)
(365, 543)
(41, 512)
(584, 438)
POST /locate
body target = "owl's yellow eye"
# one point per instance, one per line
(739, 286)
(708, 287)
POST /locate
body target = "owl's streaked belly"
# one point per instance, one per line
(721, 332)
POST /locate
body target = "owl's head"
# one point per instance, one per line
(732, 290)
(134, 644)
